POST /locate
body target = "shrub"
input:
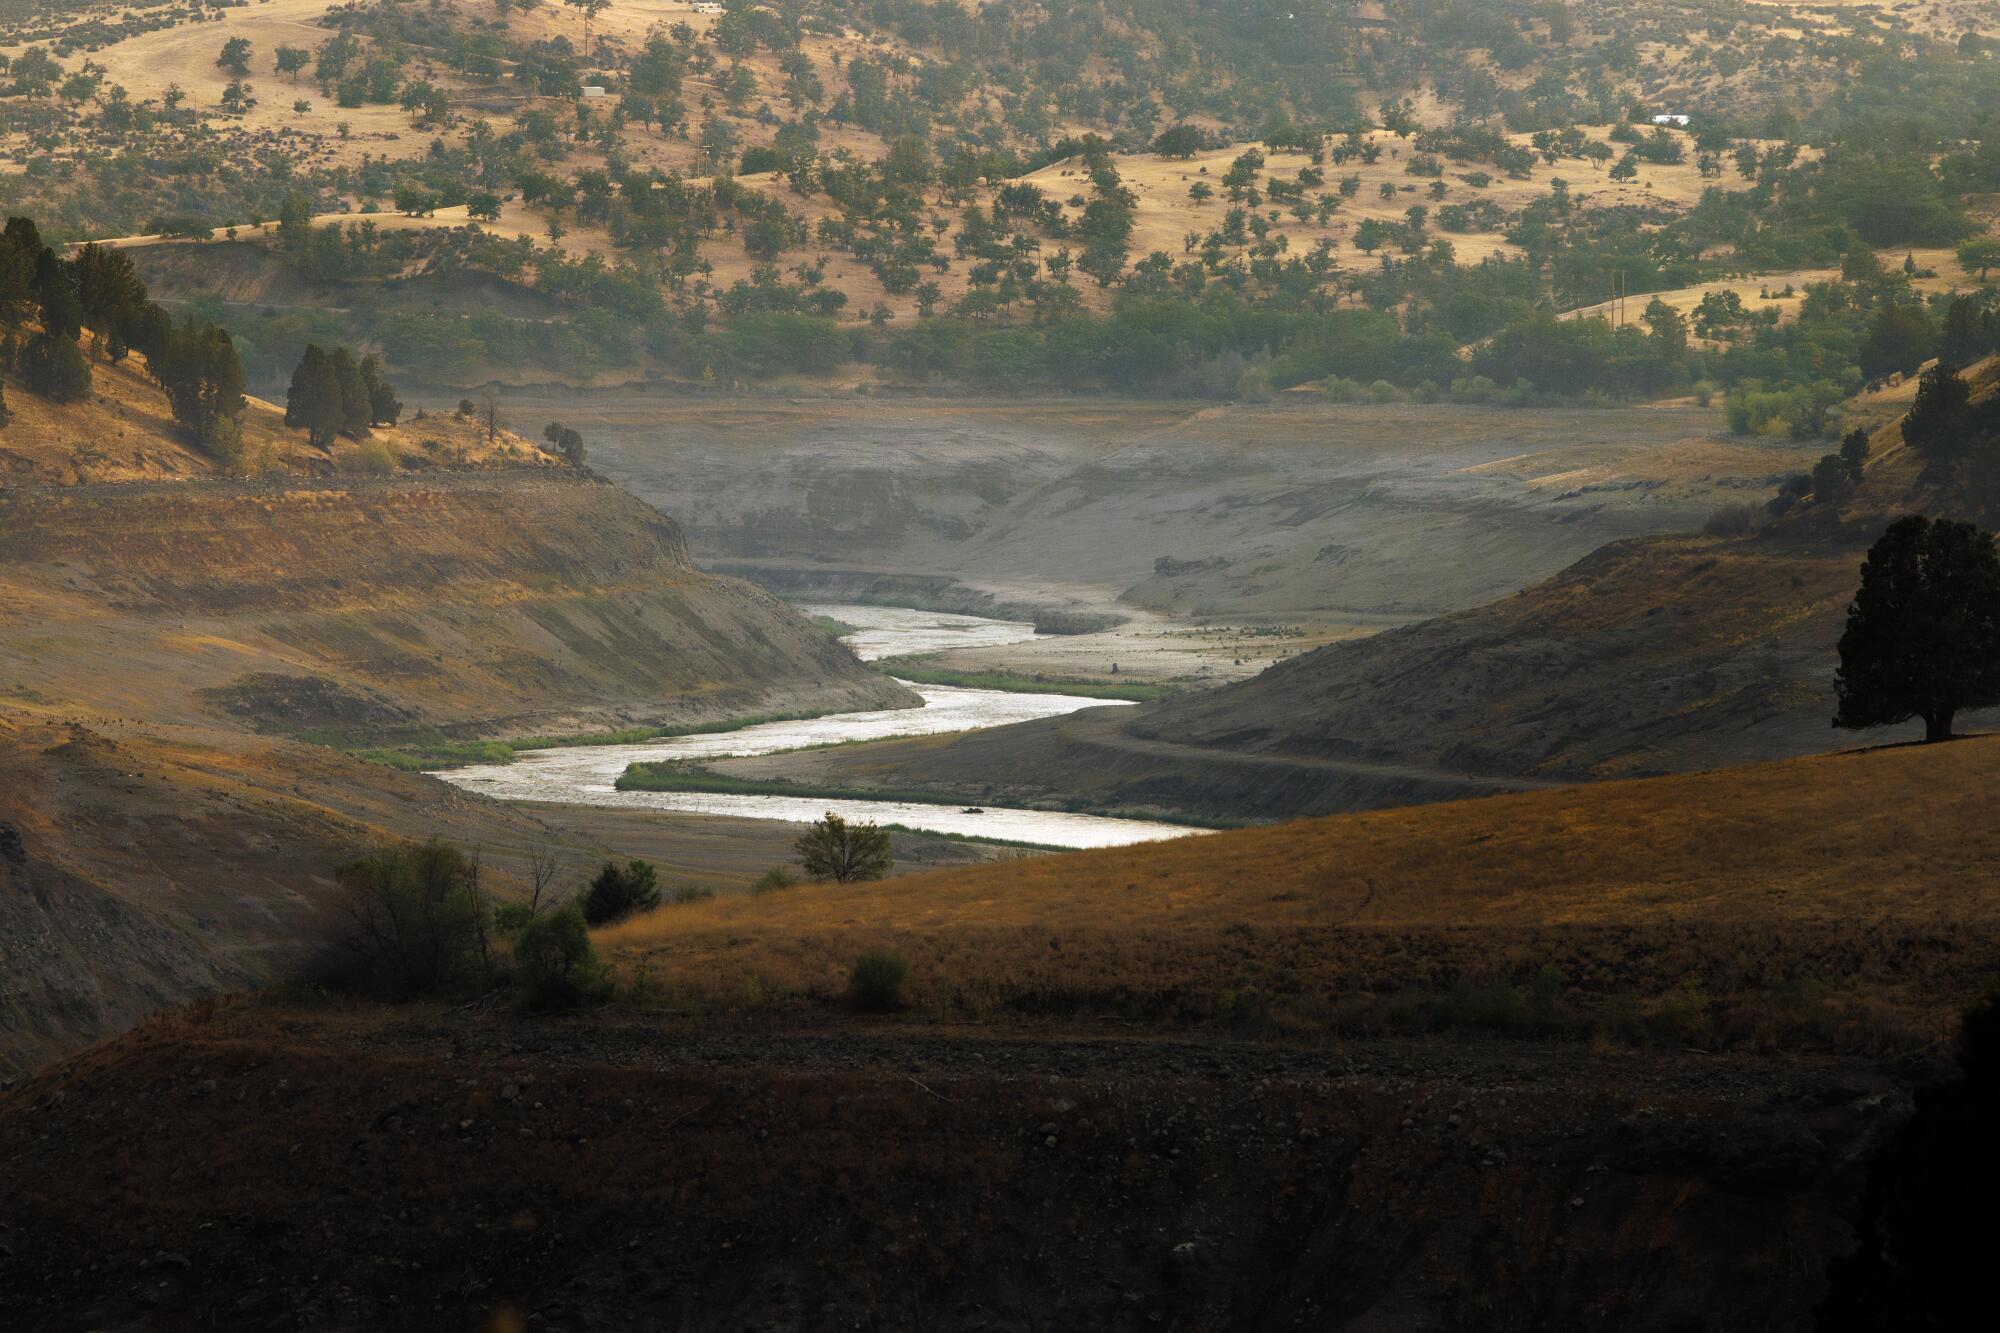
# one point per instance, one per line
(1474, 389)
(419, 923)
(374, 458)
(1738, 520)
(619, 891)
(876, 984)
(555, 966)
(774, 880)
(1681, 1016)
(510, 919)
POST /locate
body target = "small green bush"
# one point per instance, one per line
(510, 919)
(619, 891)
(418, 922)
(775, 880)
(876, 984)
(374, 458)
(555, 966)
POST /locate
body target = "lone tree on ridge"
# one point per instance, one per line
(845, 853)
(1923, 632)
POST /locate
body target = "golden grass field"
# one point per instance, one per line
(1870, 879)
(125, 432)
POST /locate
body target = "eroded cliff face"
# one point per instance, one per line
(485, 602)
(167, 648)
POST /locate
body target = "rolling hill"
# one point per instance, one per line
(1352, 1072)
(170, 630)
(1648, 655)
(1735, 886)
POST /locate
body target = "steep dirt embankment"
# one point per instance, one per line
(482, 601)
(141, 865)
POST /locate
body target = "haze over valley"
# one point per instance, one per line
(998, 664)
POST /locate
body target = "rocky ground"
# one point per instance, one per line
(429, 1168)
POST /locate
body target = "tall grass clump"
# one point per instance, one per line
(875, 986)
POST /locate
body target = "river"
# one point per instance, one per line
(587, 774)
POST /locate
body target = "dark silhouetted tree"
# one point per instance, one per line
(313, 401)
(1899, 338)
(61, 312)
(565, 441)
(1181, 141)
(619, 891)
(384, 408)
(1935, 425)
(203, 377)
(1923, 632)
(54, 368)
(356, 403)
(1854, 452)
(1964, 338)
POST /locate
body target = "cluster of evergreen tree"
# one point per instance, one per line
(333, 394)
(99, 291)
(33, 285)
(566, 442)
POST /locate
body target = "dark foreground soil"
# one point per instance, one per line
(257, 1166)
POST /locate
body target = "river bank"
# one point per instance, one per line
(588, 775)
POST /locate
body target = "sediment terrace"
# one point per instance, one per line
(484, 601)
(164, 645)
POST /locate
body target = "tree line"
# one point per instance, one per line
(98, 291)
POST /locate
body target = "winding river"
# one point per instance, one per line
(586, 774)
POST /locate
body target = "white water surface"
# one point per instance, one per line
(587, 774)
(895, 631)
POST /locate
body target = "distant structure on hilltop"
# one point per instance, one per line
(1672, 118)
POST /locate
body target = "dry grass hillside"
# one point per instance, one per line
(1844, 898)
(124, 431)
(141, 864)
(162, 621)
(163, 849)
